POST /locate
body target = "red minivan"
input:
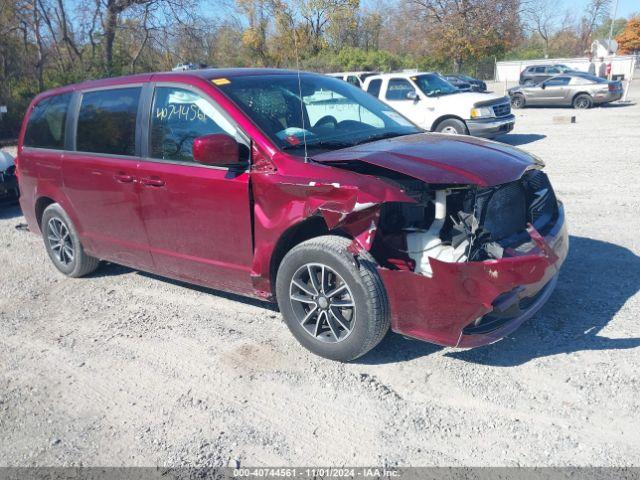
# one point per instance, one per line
(299, 188)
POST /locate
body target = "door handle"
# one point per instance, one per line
(123, 178)
(152, 182)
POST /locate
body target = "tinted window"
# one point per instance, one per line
(398, 89)
(107, 121)
(374, 87)
(558, 81)
(353, 80)
(553, 70)
(178, 116)
(538, 70)
(45, 128)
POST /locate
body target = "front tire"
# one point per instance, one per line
(582, 102)
(334, 304)
(452, 126)
(518, 101)
(63, 245)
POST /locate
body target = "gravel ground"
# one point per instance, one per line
(124, 368)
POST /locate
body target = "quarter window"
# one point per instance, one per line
(46, 125)
(107, 121)
(398, 89)
(178, 117)
(374, 87)
(353, 80)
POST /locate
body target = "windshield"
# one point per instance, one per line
(333, 114)
(433, 85)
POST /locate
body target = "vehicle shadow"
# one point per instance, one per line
(596, 280)
(11, 210)
(108, 269)
(516, 139)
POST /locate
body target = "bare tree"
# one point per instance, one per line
(542, 17)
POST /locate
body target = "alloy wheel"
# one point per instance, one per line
(59, 239)
(322, 303)
(582, 103)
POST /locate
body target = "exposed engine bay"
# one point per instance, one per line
(455, 223)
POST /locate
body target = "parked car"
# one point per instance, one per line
(460, 84)
(354, 78)
(535, 74)
(577, 89)
(301, 189)
(476, 85)
(431, 102)
(8, 182)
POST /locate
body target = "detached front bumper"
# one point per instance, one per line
(477, 303)
(491, 127)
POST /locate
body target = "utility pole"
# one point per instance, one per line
(613, 19)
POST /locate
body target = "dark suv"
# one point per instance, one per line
(534, 74)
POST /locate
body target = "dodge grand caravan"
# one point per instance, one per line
(301, 189)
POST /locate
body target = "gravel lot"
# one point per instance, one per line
(124, 368)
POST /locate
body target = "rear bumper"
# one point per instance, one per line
(607, 97)
(477, 303)
(491, 127)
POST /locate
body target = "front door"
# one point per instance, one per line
(197, 217)
(402, 95)
(555, 90)
(100, 176)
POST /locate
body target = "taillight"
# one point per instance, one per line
(613, 87)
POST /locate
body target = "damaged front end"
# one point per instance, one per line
(486, 259)
(466, 265)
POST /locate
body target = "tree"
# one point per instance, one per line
(542, 18)
(465, 29)
(629, 38)
(596, 13)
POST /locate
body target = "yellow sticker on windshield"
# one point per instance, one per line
(220, 81)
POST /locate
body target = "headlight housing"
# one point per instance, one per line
(482, 112)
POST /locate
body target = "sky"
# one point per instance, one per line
(625, 7)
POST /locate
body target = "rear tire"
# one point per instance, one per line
(63, 245)
(582, 101)
(518, 101)
(452, 126)
(342, 326)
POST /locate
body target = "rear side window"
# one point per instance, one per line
(398, 89)
(178, 117)
(353, 80)
(107, 121)
(45, 128)
(374, 87)
(538, 70)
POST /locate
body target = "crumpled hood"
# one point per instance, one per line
(438, 158)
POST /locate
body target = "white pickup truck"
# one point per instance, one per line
(432, 103)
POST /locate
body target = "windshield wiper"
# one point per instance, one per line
(321, 144)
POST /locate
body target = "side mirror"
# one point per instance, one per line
(412, 96)
(543, 85)
(216, 149)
